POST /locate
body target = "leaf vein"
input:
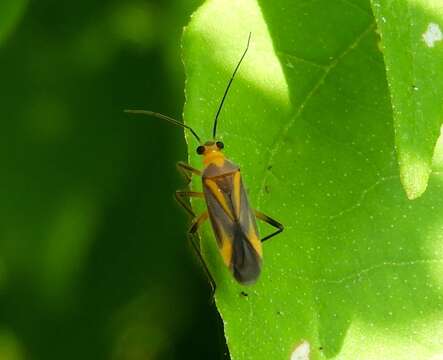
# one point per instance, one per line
(277, 145)
(362, 197)
(303, 60)
(364, 272)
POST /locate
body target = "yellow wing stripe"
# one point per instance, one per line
(212, 185)
(237, 197)
(226, 247)
(253, 238)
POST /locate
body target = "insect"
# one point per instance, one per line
(233, 220)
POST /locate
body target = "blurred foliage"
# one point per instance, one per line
(94, 261)
(10, 13)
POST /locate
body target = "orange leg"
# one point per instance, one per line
(187, 170)
(182, 195)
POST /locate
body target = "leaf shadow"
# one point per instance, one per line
(368, 254)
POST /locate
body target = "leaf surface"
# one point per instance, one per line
(357, 272)
(411, 32)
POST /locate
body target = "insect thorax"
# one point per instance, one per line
(213, 171)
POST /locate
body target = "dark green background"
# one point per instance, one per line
(94, 261)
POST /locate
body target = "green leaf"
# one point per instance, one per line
(10, 12)
(357, 273)
(412, 43)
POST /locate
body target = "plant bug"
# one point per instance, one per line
(233, 220)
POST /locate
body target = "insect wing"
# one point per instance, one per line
(234, 226)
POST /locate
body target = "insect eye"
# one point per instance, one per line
(200, 149)
(220, 145)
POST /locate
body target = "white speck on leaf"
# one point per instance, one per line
(432, 35)
(301, 352)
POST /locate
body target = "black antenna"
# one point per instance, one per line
(164, 117)
(214, 130)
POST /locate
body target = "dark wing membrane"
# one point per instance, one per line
(246, 263)
(234, 226)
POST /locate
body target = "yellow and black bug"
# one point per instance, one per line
(232, 219)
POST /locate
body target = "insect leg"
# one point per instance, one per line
(187, 170)
(194, 242)
(182, 195)
(271, 222)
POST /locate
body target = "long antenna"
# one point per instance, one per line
(214, 130)
(164, 117)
